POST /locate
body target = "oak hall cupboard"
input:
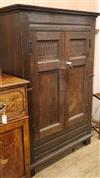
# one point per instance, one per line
(54, 49)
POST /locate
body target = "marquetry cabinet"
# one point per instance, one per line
(14, 133)
(54, 49)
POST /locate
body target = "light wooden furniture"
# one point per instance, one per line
(14, 135)
(54, 49)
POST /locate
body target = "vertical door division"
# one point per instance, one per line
(48, 82)
(77, 61)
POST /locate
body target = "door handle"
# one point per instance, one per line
(69, 63)
(91, 76)
(2, 107)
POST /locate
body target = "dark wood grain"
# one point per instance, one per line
(48, 50)
(21, 7)
(77, 91)
(38, 44)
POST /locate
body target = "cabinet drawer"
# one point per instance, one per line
(15, 100)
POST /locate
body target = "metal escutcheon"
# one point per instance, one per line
(69, 63)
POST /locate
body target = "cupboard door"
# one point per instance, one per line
(48, 82)
(77, 65)
(11, 154)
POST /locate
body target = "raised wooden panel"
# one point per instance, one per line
(77, 47)
(11, 45)
(49, 99)
(76, 91)
(15, 100)
(77, 86)
(11, 154)
(48, 58)
(47, 50)
(48, 46)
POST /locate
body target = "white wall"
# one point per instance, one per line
(87, 5)
(96, 83)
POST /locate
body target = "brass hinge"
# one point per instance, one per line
(91, 76)
(96, 31)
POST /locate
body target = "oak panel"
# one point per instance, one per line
(48, 99)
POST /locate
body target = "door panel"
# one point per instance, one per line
(77, 72)
(48, 85)
(60, 80)
(77, 47)
(76, 90)
(46, 103)
(11, 154)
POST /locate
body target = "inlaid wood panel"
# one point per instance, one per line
(11, 154)
(14, 135)
(15, 100)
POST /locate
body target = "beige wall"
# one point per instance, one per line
(87, 5)
(96, 86)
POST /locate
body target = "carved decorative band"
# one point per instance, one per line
(54, 27)
(47, 50)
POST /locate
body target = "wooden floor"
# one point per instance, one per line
(84, 162)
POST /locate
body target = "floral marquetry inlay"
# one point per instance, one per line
(15, 102)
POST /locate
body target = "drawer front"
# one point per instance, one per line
(16, 102)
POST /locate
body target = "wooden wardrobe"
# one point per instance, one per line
(54, 49)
